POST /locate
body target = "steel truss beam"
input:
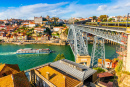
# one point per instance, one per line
(78, 41)
(77, 38)
(98, 51)
(106, 34)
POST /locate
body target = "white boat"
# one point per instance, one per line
(33, 51)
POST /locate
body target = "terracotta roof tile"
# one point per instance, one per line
(15, 80)
(105, 74)
(57, 78)
(9, 69)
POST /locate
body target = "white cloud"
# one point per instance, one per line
(66, 10)
(102, 7)
(30, 11)
(116, 7)
(128, 5)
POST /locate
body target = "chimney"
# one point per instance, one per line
(47, 75)
(65, 80)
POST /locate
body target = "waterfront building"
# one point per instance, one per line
(63, 73)
(38, 20)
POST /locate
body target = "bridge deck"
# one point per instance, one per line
(107, 28)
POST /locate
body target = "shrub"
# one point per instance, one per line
(99, 70)
(59, 57)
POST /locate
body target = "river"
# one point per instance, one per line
(26, 61)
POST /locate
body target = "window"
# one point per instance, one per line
(37, 78)
(4, 74)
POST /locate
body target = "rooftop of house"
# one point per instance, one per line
(9, 69)
(76, 70)
(57, 78)
(106, 60)
(31, 23)
(58, 27)
(15, 80)
(13, 66)
(105, 74)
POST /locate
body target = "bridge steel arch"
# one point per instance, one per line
(78, 45)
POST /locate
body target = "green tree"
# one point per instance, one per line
(99, 70)
(55, 19)
(66, 31)
(110, 19)
(94, 18)
(47, 31)
(76, 20)
(119, 66)
(59, 57)
(103, 17)
(64, 25)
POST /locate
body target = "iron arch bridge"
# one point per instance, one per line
(77, 38)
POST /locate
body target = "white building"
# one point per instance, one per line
(56, 29)
(31, 24)
(38, 20)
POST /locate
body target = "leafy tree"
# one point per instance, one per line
(103, 17)
(57, 33)
(66, 31)
(64, 25)
(94, 18)
(99, 70)
(59, 57)
(119, 66)
(47, 31)
(55, 19)
(110, 19)
(76, 20)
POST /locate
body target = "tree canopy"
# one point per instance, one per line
(59, 57)
(103, 17)
(99, 70)
(94, 17)
(47, 31)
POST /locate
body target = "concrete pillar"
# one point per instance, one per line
(83, 60)
(128, 55)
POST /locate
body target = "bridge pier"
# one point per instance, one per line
(85, 60)
(128, 55)
(98, 51)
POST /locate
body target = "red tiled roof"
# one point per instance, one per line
(31, 23)
(105, 74)
(58, 27)
(82, 19)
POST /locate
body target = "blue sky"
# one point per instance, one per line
(27, 9)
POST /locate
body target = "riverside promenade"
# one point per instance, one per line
(23, 42)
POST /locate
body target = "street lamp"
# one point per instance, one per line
(127, 20)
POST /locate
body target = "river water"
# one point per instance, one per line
(26, 61)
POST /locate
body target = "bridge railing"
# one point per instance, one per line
(106, 27)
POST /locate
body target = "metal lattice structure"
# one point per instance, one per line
(98, 51)
(77, 38)
(77, 41)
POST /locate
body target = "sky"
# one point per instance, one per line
(64, 9)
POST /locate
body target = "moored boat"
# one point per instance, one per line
(33, 51)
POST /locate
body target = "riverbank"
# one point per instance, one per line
(35, 42)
